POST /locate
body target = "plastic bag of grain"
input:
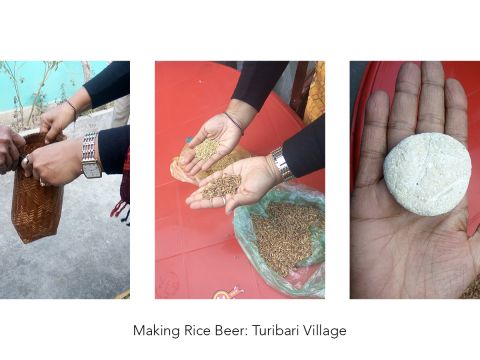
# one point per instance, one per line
(307, 278)
(177, 172)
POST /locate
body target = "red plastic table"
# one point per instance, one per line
(382, 76)
(196, 251)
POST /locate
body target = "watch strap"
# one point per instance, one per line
(281, 164)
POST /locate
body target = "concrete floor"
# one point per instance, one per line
(90, 255)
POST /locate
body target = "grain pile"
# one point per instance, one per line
(473, 291)
(222, 164)
(206, 149)
(222, 186)
(284, 237)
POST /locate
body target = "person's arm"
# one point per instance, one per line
(305, 151)
(257, 80)
(113, 82)
(110, 84)
(113, 146)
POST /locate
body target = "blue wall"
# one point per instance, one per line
(70, 73)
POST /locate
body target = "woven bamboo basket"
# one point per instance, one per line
(36, 210)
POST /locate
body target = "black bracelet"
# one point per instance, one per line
(236, 124)
(75, 112)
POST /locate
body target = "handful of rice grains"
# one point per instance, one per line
(206, 149)
(284, 237)
(222, 186)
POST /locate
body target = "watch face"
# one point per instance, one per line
(91, 170)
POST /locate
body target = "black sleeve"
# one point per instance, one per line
(256, 81)
(305, 151)
(113, 146)
(112, 83)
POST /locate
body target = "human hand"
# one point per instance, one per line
(10, 143)
(55, 164)
(55, 120)
(395, 253)
(258, 175)
(221, 129)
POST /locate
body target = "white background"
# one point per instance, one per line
(144, 31)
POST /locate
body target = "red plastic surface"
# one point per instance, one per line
(196, 251)
(382, 76)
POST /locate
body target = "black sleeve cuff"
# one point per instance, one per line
(110, 84)
(256, 81)
(305, 151)
(113, 146)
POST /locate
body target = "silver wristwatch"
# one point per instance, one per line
(90, 166)
(281, 164)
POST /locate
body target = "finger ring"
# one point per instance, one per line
(42, 183)
(224, 200)
(25, 161)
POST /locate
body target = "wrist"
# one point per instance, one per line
(90, 157)
(280, 163)
(242, 112)
(273, 169)
(77, 145)
(81, 101)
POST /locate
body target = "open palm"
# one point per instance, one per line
(395, 253)
(218, 128)
(257, 177)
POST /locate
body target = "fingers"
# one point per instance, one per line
(7, 159)
(3, 165)
(45, 123)
(199, 138)
(17, 139)
(403, 117)
(213, 159)
(431, 116)
(374, 140)
(213, 203)
(189, 167)
(53, 133)
(456, 120)
(214, 176)
(186, 156)
(237, 200)
(15, 155)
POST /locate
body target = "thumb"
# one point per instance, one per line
(198, 139)
(52, 134)
(236, 201)
(17, 139)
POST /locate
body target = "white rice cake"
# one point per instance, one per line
(428, 174)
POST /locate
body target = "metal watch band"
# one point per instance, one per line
(88, 147)
(281, 164)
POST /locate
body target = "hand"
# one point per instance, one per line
(395, 253)
(259, 174)
(10, 143)
(56, 164)
(55, 120)
(221, 129)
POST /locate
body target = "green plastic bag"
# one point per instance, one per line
(308, 279)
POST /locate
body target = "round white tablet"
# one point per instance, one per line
(428, 173)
